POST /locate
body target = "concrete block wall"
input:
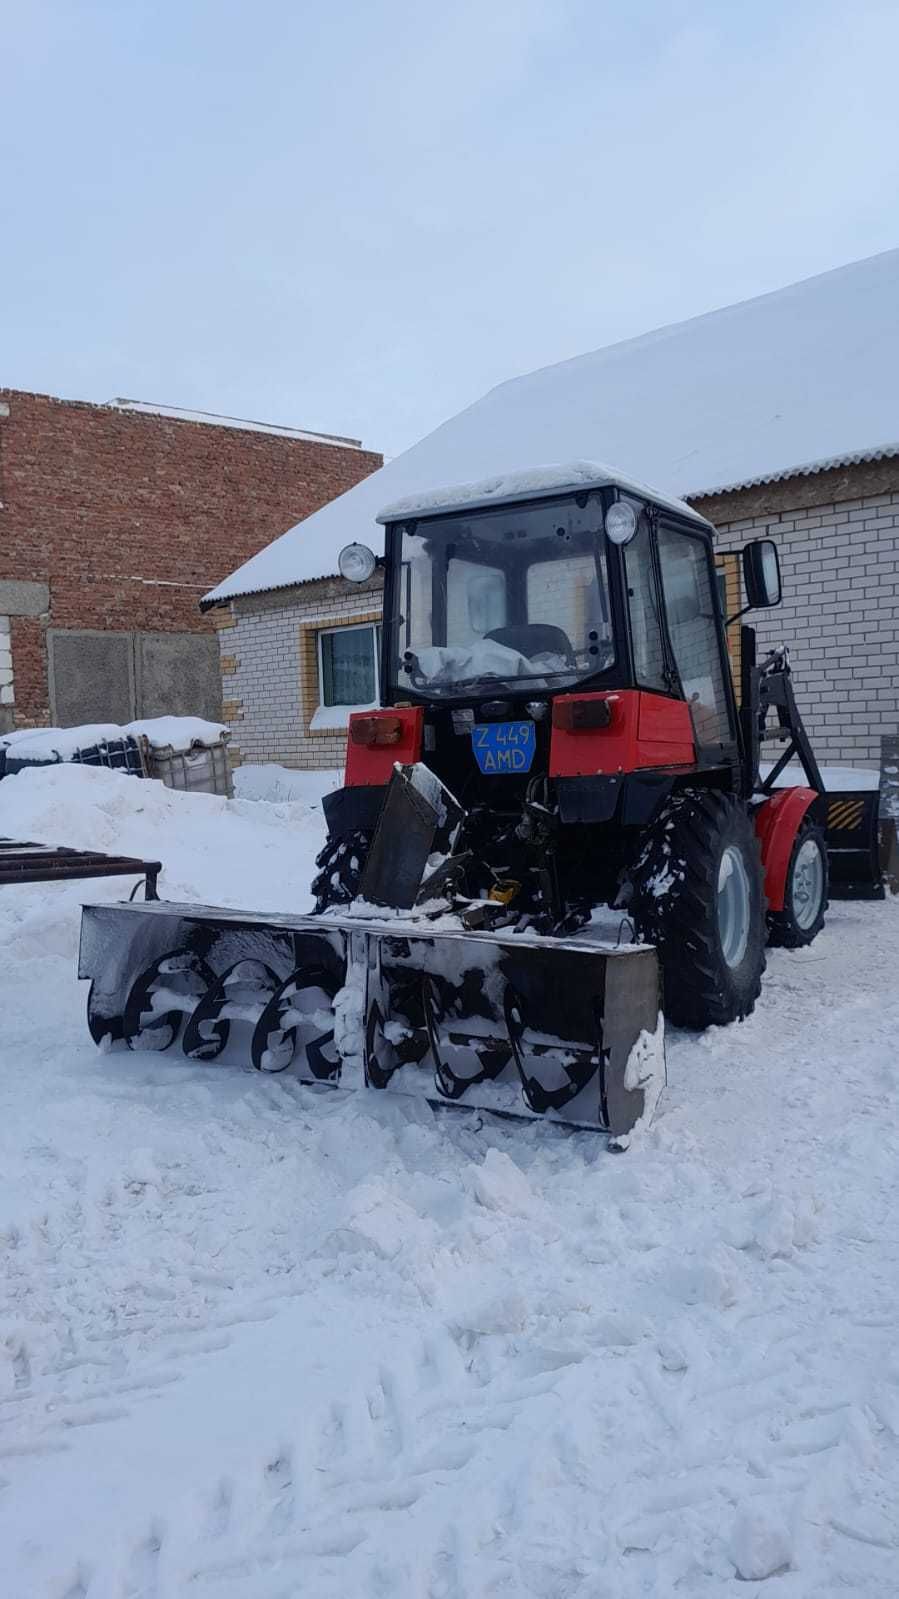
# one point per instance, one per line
(840, 617)
(7, 689)
(269, 669)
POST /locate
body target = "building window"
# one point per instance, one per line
(348, 666)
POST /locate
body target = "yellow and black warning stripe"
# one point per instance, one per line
(844, 815)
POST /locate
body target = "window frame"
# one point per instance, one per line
(397, 591)
(343, 628)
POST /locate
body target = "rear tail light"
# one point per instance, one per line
(374, 731)
(577, 714)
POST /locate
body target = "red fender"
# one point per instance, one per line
(777, 822)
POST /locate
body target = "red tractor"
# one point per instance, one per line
(556, 817)
(557, 656)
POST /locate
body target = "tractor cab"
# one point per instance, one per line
(504, 598)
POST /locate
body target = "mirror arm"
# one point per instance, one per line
(737, 614)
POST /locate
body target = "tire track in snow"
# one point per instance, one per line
(581, 1370)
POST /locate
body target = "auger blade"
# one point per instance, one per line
(529, 1027)
(230, 984)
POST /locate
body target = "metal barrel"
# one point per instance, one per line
(565, 1029)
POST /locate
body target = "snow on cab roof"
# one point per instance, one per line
(791, 382)
(534, 483)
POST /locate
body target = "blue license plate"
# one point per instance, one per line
(504, 746)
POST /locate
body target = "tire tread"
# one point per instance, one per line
(689, 835)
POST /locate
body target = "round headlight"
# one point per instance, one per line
(356, 562)
(621, 522)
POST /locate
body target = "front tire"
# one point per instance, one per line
(697, 895)
(805, 891)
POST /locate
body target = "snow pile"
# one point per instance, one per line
(58, 743)
(760, 1544)
(260, 1340)
(336, 718)
(236, 852)
(836, 779)
(268, 781)
(180, 733)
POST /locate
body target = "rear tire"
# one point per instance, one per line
(805, 891)
(341, 864)
(697, 895)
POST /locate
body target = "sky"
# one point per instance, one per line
(358, 218)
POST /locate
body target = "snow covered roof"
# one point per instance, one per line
(534, 484)
(177, 413)
(792, 382)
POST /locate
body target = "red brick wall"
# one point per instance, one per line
(29, 654)
(131, 518)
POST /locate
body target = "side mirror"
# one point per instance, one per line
(761, 574)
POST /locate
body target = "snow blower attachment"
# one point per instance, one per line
(527, 1026)
(559, 1029)
(560, 747)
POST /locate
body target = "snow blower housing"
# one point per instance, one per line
(559, 733)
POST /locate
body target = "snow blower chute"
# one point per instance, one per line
(558, 803)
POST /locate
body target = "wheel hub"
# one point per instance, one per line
(808, 885)
(734, 905)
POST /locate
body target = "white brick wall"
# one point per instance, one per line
(274, 682)
(840, 617)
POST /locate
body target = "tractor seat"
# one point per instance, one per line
(535, 638)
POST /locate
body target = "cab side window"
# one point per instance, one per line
(687, 579)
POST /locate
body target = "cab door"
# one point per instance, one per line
(692, 612)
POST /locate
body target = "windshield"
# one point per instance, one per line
(516, 595)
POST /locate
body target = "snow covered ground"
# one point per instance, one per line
(262, 1342)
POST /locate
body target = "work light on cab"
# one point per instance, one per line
(621, 522)
(356, 562)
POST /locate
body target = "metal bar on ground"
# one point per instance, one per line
(22, 862)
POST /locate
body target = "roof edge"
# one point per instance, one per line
(211, 600)
(882, 452)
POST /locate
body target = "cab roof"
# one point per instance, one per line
(540, 482)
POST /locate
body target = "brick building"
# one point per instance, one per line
(115, 520)
(774, 417)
